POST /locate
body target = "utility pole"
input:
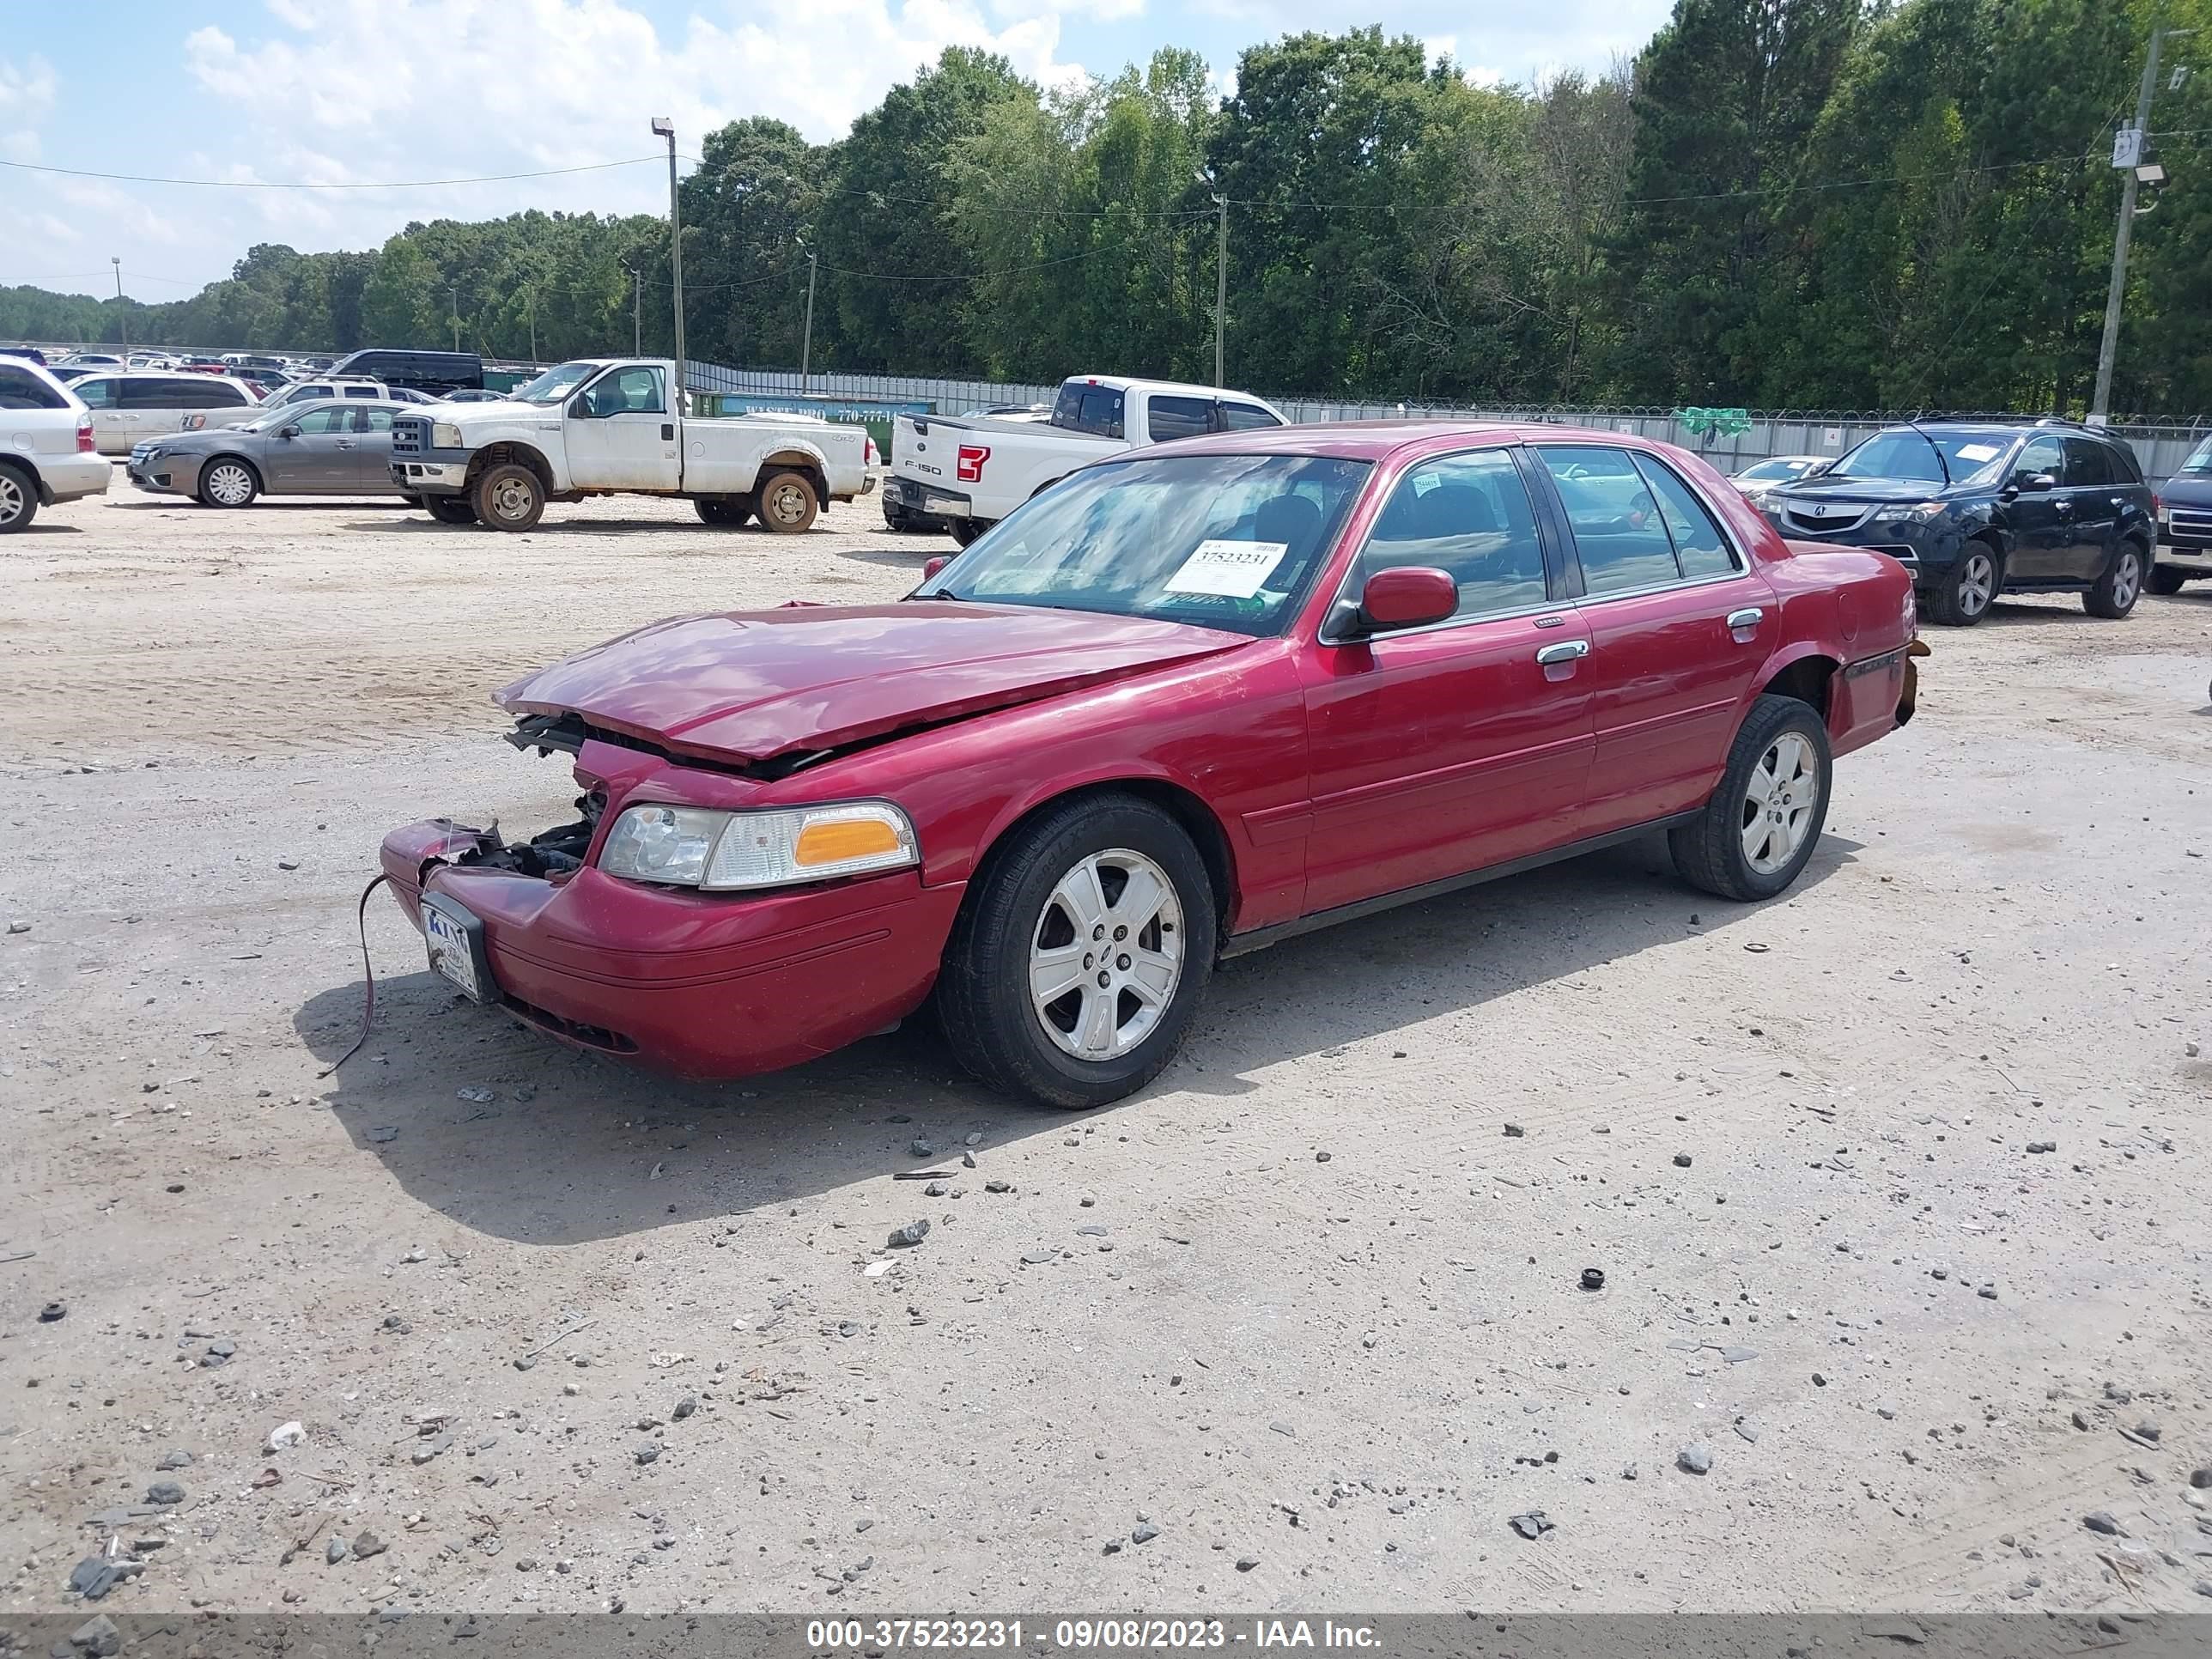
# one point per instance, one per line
(806, 343)
(122, 317)
(664, 128)
(636, 320)
(1205, 176)
(457, 316)
(532, 296)
(2128, 157)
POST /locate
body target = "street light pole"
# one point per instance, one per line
(806, 343)
(122, 317)
(636, 320)
(1220, 273)
(666, 127)
(2100, 400)
(457, 316)
(532, 294)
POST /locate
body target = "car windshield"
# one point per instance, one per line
(1909, 453)
(555, 383)
(1220, 541)
(2200, 459)
(1768, 471)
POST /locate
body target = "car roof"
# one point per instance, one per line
(1176, 388)
(1378, 440)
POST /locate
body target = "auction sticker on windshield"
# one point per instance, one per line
(1230, 570)
(1977, 451)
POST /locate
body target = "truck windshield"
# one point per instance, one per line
(1222, 541)
(555, 383)
(2200, 459)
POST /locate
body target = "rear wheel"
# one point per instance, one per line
(965, 531)
(726, 512)
(1761, 824)
(1081, 955)
(19, 500)
(2116, 591)
(1966, 593)
(227, 480)
(509, 497)
(895, 516)
(450, 509)
(2164, 579)
(788, 503)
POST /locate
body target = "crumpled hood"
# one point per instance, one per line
(750, 684)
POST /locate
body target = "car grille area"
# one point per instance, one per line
(410, 434)
(2193, 523)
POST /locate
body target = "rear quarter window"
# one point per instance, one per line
(1246, 417)
(20, 389)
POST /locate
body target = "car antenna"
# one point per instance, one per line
(1937, 447)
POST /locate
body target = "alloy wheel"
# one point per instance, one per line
(1778, 801)
(11, 496)
(2127, 579)
(1106, 955)
(230, 484)
(1977, 584)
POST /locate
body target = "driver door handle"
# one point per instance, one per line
(1564, 651)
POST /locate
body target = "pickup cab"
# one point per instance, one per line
(609, 426)
(972, 470)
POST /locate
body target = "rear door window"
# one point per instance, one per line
(1699, 547)
(1245, 417)
(19, 389)
(1169, 418)
(1093, 409)
(154, 394)
(1619, 536)
(97, 391)
(2088, 462)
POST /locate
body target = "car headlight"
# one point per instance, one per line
(1923, 512)
(444, 434)
(727, 852)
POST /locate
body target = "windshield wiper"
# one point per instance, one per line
(1938, 449)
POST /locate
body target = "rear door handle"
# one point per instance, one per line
(1750, 616)
(1564, 651)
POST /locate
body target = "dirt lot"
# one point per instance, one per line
(1919, 1350)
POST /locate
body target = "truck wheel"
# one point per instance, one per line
(227, 480)
(965, 531)
(788, 503)
(2116, 592)
(1964, 595)
(1081, 956)
(727, 513)
(1760, 826)
(509, 497)
(406, 500)
(894, 517)
(19, 500)
(2164, 579)
(450, 509)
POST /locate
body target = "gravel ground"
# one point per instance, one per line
(1299, 1327)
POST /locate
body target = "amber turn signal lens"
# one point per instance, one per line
(835, 841)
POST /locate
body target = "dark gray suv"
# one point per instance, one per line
(1976, 508)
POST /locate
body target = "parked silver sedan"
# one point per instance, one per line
(333, 449)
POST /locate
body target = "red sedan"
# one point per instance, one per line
(1179, 706)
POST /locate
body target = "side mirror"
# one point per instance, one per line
(935, 565)
(290, 431)
(1411, 596)
(2036, 483)
(579, 408)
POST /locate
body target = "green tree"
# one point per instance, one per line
(402, 304)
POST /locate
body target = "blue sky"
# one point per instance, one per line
(352, 92)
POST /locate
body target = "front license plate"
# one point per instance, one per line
(456, 948)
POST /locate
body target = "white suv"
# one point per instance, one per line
(47, 451)
(304, 391)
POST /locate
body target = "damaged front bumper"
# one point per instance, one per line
(430, 472)
(702, 985)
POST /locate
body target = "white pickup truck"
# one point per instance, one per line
(609, 426)
(972, 470)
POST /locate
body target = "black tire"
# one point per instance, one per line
(965, 531)
(509, 496)
(407, 500)
(1711, 850)
(2120, 585)
(222, 479)
(990, 1021)
(725, 513)
(451, 509)
(1967, 591)
(19, 500)
(788, 503)
(895, 516)
(2164, 579)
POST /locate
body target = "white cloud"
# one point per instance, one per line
(26, 98)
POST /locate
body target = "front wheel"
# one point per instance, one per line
(1966, 593)
(2164, 579)
(2116, 591)
(725, 513)
(1081, 956)
(227, 482)
(450, 509)
(509, 497)
(788, 504)
(1759, 828)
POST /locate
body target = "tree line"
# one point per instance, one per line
(1806, 203)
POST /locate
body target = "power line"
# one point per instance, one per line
(264, 184)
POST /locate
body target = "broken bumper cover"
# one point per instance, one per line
(431, 471)
(702, 985)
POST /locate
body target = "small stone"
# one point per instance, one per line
(968, 1161)
(288, 864)
(1747, 1427)
(476, 1094)
(684, 1407)
(998, 1185)
(1513, 1132)
(1320, 1157)
(913, 1233)
(1694, 1460)
(1988, 1292)
(1246, 1562)
(25, 927)
(1628, 1472)
(648, 1451)
(921, 1148)
(2201, 1479)
(98, 1636)
(1593, 1278)
(1531, 1525)
(383, 1134)
(285, 1434)
(2149, 1430)
(935, 1189)
(1682, 1160)
(178, 1459)
(2100, 1523)
(1038, 1258)
(337, 1550)
(366, 1544)
(1144, 1533)
(1819, 1381)
(165, 1494)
